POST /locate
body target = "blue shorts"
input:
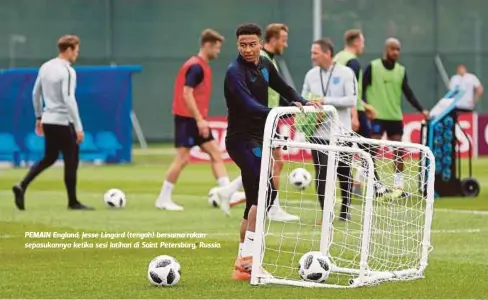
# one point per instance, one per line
(186, 133)
(391, 127)
(247, 156)
(364, 125)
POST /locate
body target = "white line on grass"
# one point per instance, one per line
(295, 233)
(305, 202)
(161, 151)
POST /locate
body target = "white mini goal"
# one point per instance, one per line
(384, 236)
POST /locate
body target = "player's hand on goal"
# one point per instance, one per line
(299, 105)
(315, 103)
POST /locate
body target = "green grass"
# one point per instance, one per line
(458, 265)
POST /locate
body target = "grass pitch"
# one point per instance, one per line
(458, 265)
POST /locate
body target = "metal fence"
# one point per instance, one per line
(160, 35)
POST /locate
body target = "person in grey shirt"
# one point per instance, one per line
(59, 122)
(334, 85)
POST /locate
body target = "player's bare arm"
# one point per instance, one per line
(354, 41)
(192, 107)
(354, 119)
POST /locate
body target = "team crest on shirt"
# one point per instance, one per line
(265, 74)
(336, 80)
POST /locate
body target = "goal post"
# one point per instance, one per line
(386, 235)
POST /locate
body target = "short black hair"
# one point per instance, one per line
(326, 45)
(248, 29)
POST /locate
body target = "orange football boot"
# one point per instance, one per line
(242, 268)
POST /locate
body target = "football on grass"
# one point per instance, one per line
(300, 178)
(213, 198)
(115, 198)
(164, 270)
(314, 266)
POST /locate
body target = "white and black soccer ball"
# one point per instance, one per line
(300, 178)
(164, 270)
(115, 198)
(213, 198)
(314, 266)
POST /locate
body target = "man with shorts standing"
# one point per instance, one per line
(246, 94)
(363, 112)
(190, 109)
(275, 42)
(384, 82)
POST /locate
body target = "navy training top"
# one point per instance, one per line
(246, 96)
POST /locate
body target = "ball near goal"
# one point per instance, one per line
(300, 178)
(386, 235)
(314, 266)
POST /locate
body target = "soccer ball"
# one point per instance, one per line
(164, 270)
(314, 266)
(115, 198)
(213, 198)
(300, 178)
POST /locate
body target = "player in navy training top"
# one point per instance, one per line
(246, 94)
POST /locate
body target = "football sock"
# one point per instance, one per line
(248, 244)
(166, 190)
(223, 181)
(235, 185)
(240, 250)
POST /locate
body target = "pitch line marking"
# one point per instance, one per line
(304, 201)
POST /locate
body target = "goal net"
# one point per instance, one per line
(379, 232)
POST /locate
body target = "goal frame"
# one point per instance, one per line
(365, 276)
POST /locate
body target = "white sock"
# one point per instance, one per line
(223, 181)
(248, 244)
(240, 250)
(235, 185)
(166, 191)
(276, 202)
